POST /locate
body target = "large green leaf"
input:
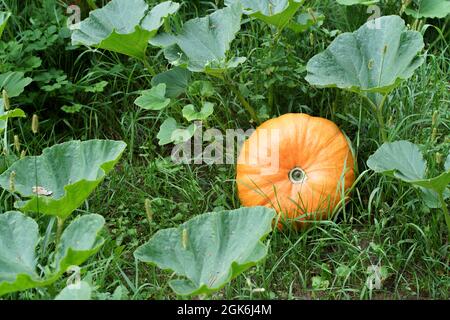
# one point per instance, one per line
(278, 13)
(78, 291)
(66, 174)
(19, 236)
(210, 250)
(369, 59)
(154, 98)
(176, 81)
(14, 83)
(123, 26)
(403, 160)
(203, 43)
(4, 16)
(429, 9)
(190, 113)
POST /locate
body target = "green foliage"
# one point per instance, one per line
(403, 160)
(370, 60)
(154, 98)
(387, 242)
(279, 13)
(210, 250)
(191, 114)
(66, 173)
(353, 2)
(5, 115)
(14, 83)
(176, 81)
(123, 26)
(429, 9)
(203, 43)
(4, 16)
(77, 291)
(171, 132)
(19, 238)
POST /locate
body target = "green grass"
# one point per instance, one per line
(385, 224)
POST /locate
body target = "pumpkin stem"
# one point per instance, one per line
(297, 175)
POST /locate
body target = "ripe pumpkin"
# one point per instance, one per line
(297, 164)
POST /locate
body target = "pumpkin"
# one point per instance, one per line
(302, 166)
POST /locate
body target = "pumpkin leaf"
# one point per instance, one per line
(171, 132)
(429, 9)
(181, 135)
(447, 163)
(369, 59)
(203, 43)
(4, 16)
(306, 20)
(191, 114)
(70, 171)
(14, 83)
(176, 81)
(403, 160)
(123, 26)
(353, 2)
(79, 241)
(431, 197)
(19, 237)
(154, 98)
(278, 13)
(400, 159)
(202, 88)
(77, 291)
(15, 113)
(74, 108)
(438, 184)
(210, 250)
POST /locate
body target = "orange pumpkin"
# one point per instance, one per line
(301, 166)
